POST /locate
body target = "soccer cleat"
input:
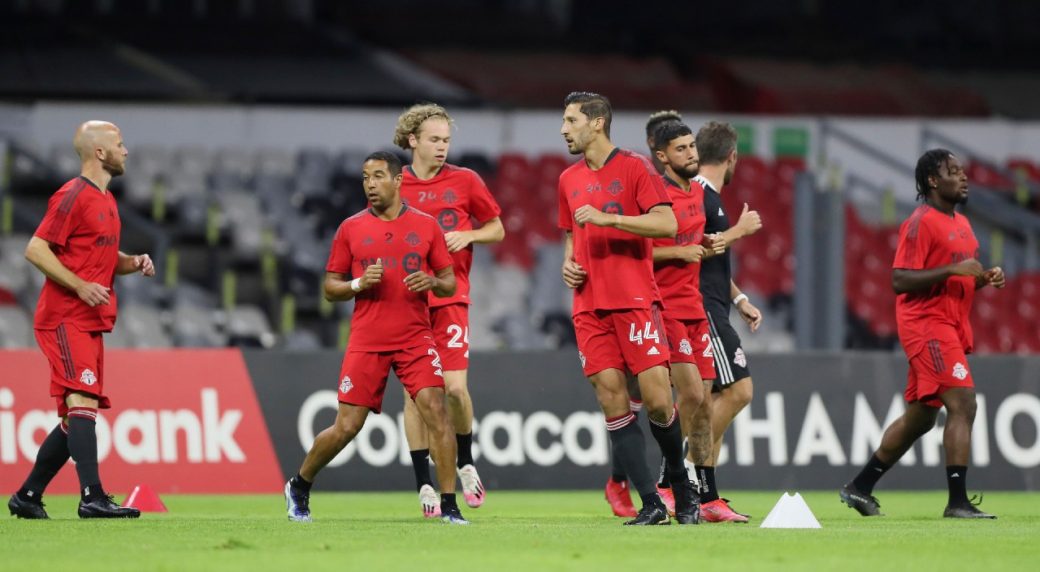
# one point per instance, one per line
(26, 509)
(719, 510)
(619, 498)
(472, 488)
(650, 515)
(968, 510)
(864, 504)
(667, 498)
(298, 504)
(687, 503)
(106, 507)
(452, 515)
(430, 502)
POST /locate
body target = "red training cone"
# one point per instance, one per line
(145, 499)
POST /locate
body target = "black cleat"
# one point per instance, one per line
(105, 507)
(864, 504)
(687, 503)
(26, 509)
(968, 510)
(649, 515)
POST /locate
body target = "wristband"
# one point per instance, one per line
(355, 284)
(740, 298)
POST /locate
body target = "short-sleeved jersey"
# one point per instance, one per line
(82, 226)
(930, 239)
(716, 272)
(456, 197)
(678, 280)
(388, 316)
(619, 264)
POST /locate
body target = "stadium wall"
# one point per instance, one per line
(224, 421)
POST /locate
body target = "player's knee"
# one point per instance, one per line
(346, 429)
(456, 390)
(743, 391)
(690, 398)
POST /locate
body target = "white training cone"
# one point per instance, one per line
(791, 512)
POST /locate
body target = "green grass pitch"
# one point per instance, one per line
(529, 531)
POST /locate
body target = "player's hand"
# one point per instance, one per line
(750, 314)
(457, 240)
(373, 275)
(693, 253)
(969, 267)
(419, 282)
(715, 242)
(749, 222)
(995, 277)
(93, 293)
(143, 263)
(573, 274)
(588, 214)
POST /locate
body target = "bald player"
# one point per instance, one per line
(77, 247)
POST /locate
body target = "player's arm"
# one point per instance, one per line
(688, 253)
(130, 263)
(39, 253)
(751, 315)
(658, 222)
(442, 283)
(340, 289)
(905, 280)
(749, 223)
(573, 274)
(490, 232)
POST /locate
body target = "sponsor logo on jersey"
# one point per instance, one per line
(653, 351)
(411, 262)
(448, 219)
(613, 208)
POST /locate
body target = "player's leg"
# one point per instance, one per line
(616, 491)
(726, 405)
(419, 450)
(960, 415)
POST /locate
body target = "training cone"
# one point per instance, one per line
(143, 498)
(791, 512)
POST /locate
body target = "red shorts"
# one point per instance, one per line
(621, 339)
(77, 361)
(363, 374)
(690, 342)
(451, 333)
(941, 365)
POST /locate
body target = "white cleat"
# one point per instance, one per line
(297, 504)
(472, 488)
(430, 502)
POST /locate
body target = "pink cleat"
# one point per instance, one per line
(430, 502)
(718, 510)
(668, 499)
(619, 498)
(472, 488)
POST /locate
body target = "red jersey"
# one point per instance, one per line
(619, 264)
(455, 196)
(388, 316)
(679, 281)
(930, 239)
(82, 226)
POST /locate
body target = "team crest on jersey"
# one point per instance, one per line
(959, 371)
(449, 196)
(739, 358)
(345, 386)
(412, 239)
(88, 377)
(615, 188)
(447, 219)
(685, 348)
(581, 356)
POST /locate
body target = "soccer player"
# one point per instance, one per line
(935, 274)
(455, 196)
(390, 250)
(717, 148)
(616, 491)
(677, 269)
(611, 205)
(77, 247)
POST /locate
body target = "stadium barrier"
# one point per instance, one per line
(190, 421)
